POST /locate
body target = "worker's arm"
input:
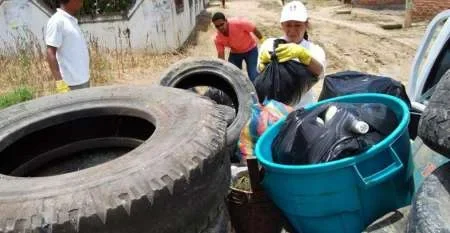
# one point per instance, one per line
(315, 67)
(220, 49)
(61, 86)
(221, 54)
(286, 52)
(258, 34)
(54, 39)
(53, 63)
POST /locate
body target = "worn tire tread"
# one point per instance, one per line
(430, 212)
(124, 193)
(434, 125)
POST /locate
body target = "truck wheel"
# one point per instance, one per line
(434, 125)
(171, 153)
(430, 212)
(219, 74)
(229, 113)
(393, 222)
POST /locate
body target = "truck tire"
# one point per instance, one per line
(393, 222)
(434, 125)
(155, 187)
(229, 113)
(222, 75)
(430, 212)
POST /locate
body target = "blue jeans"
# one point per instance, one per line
(251, 59)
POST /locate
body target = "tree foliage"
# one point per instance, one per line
(99, 7)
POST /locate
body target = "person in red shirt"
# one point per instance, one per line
(236, 34)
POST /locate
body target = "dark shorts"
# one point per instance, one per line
(81, 86)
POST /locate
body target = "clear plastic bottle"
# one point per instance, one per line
(356, 126)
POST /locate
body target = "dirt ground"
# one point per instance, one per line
(351, 41)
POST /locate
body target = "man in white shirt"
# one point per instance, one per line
(67, 51)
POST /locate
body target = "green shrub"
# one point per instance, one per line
(99, 7)
(16, 96)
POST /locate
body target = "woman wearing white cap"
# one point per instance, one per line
(294, 22)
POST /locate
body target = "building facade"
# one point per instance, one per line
(155, 25)
(427, 9)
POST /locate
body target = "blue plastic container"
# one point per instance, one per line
(346, 195)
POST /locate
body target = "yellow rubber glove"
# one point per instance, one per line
(264, 59)
(62, 87)
(286, 52)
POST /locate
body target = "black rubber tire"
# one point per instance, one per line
(393, 222)
(222, 75)
(175, 181)
(229, 112)
(430, 212)
(434, 125)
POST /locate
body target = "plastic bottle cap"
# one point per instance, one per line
(360, 127)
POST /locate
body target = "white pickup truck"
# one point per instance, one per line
(431, 66)
(429, 92)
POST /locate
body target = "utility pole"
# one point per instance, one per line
(408, 13)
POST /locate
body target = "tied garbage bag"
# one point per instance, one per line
(351, 82)
(331, 132)
(216, 95)
(263, 116)
(285, 82)
(219, 96)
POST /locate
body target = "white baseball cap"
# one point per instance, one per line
(295, 11)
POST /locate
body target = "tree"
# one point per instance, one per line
(99, 7)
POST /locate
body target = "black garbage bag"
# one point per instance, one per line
(351, 82)
(219, 96)
(311, 136)
(284, 82)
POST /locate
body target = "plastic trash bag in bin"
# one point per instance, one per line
(351, 82)
(285, 82)
(331, 132)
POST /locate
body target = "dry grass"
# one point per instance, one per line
(23, 63)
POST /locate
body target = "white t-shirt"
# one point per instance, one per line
(72, 53)
(316, 52)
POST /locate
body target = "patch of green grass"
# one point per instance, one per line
(16, 96)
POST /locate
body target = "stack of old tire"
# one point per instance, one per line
(172, 173)
(195, 72)
(430, 209)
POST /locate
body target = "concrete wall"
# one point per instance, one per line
(151, 24)
(427, 9)
(21, 18)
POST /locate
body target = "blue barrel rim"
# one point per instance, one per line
(342, 163)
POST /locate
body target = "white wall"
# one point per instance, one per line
(150, 24)
(20, 16)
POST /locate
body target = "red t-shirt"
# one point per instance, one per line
(239, 39)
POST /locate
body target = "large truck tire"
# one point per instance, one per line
(434, 125)
(430, 212)
(173, 177)
(212, 72)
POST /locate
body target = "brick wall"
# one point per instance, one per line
(378, 2)
(427, 9)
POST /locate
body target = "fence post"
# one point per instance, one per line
(408, 13)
